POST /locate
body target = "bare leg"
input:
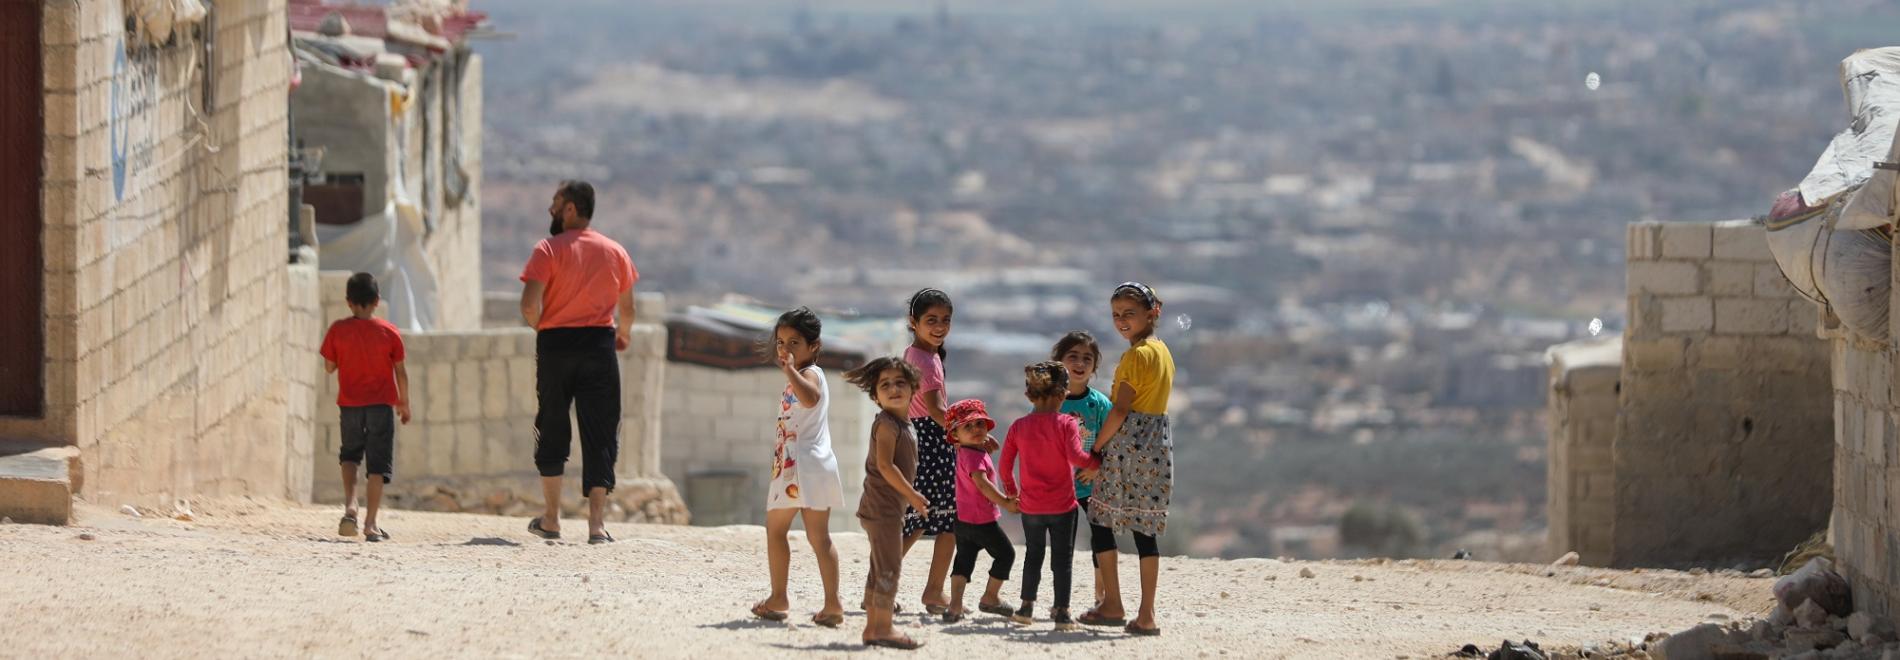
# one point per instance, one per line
(778, 556)
(551, 493)
(877, 624)
(596, 511)
(375, 497)
(818, 533)
(1150, 576)
(993, 595)
(912, 540)
(940, 559)
(349, 489)
(1111, 606)
(956, 594)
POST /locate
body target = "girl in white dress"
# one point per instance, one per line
(805, 481)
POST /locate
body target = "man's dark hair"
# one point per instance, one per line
(581, 195)
(361, 290)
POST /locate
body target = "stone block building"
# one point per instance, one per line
(1584, 382)
(1722, 411)
(148, 332)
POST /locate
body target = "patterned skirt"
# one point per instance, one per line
(1136, 482)
(936, 480)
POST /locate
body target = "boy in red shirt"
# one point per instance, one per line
(366, 355)
(1050, 446)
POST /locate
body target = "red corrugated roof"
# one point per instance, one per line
(372, 20)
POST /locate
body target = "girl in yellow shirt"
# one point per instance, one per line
(1136, 480)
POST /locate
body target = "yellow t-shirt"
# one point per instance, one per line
(1149, 368)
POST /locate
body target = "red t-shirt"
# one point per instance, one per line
(1050, 447)
(365, 352)
(585, 274)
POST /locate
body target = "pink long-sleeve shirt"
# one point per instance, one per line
(1050, 446)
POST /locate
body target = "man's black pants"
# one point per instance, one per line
(577, 367)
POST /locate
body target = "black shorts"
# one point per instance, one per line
(370, 431)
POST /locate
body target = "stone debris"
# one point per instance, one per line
(86, 536)
(1307, 573)
(1816, 581)
(1762, 573)
(1809, 615)
(1569, 559)
(1864, 628)
(6, 521)
(131, 511)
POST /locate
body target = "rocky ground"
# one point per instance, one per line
(252, 579)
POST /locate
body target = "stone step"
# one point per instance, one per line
(37, 482)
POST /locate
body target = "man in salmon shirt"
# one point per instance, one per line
(573, 285)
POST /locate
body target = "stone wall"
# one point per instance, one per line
(164, 248)
(469, 444)
(1867, 474)
(1725, 402)
(1582, 431)
(721, 427)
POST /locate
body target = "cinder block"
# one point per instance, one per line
(1687, 315)
(1655, 355)
(1748, 316)
(468, 391)
(495, 389)
(1685, 240)
(1664, 278)
(1731, 278)
(1770, 282)
(1640, 242)
(1717, 353)
(1741, 240)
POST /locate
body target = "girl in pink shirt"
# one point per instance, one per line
(979, 505)
(1049, 444)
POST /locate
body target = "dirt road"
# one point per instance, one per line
(268, 580)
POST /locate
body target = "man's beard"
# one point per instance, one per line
(554, 225)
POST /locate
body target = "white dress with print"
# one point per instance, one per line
(804, 471)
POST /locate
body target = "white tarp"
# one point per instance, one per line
(1848, 270)
(1870, 80)
(387, 244)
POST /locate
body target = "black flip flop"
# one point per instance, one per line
(953, 617)
(1094, 618)
(1138, 631)
(602, 537)
(831, 621)
(534, 527)
(901, 644)
(759, 610)
(377, 536)
(346, 526)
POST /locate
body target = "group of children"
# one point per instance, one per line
(1080, 454)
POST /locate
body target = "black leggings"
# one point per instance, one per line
(577, 368)
(987, 537)
(1058, 533)
(1102, 539)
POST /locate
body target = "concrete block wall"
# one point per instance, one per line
(165, 259)
(469, 445)
(1863, 530)
(727, 421)
(304, 326)
(1581, 416)
(1725, 402)
(1865, 537)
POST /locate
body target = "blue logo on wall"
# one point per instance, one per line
(119, 125)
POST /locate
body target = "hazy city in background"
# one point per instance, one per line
(1368, 219)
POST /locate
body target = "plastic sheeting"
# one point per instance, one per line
(1870, 80)
(1848, 270)
(388, 245)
